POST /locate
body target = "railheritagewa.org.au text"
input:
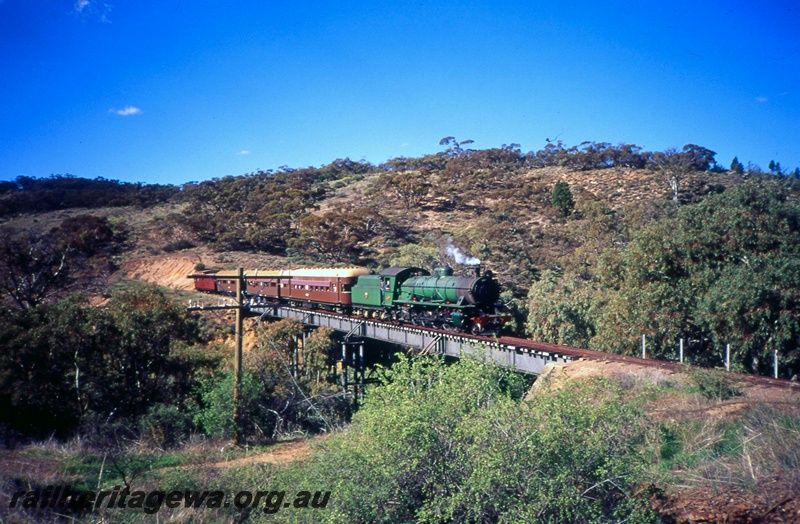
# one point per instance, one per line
(64, 497)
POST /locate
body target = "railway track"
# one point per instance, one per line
(571, 353)
(599, 356)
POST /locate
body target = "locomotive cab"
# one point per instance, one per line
(384, 288)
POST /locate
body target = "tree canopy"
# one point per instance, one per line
(72, 368)
(28, 194)
(722, 271)
(36, 267)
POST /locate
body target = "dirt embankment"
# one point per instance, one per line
(167, 271)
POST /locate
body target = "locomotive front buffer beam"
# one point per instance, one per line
(433, 341)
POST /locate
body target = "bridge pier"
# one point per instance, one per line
(352, 360)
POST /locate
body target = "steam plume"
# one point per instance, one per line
(460, 257)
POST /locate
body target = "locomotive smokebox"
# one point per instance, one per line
(484, 291)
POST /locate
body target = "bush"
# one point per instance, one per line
(455, 444)
(561, 198)
(178, 245)
(164, 425)
(714, 384)
(102, 373)
(257, 421)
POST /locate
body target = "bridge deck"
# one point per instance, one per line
(509, 353)
(521, 354)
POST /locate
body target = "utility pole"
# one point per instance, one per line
(775, 362)
(237, 361)
(727, 357)
(238, 304)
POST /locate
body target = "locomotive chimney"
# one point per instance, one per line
(477, 271)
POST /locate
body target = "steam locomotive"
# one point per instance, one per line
(404, 294)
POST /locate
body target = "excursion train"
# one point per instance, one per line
(404, 294)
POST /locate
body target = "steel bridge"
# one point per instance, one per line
(520, 354)
(429, 340)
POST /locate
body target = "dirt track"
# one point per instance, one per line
(282, 453)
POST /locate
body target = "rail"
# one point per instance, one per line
(518, 353)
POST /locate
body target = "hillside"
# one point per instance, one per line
(621, 255)
(572, 271)
(622, 191)
(428, 224)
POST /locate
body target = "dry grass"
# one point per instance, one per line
(199, 464)
(727, 452)
(759, 445)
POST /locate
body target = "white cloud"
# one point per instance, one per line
(762, 99)
(244, 152)
(127, 111)
(92, 10)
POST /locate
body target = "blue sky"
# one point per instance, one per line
(172, 91)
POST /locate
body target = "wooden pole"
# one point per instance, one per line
(727, 357)
(237, 361)
(344, 366)
(681, 351)
(295, 360)
(303, 351)
(644, 353)
(775, 362)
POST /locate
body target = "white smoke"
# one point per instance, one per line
(460, 257)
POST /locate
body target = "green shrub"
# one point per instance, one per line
(164, 425)
(216, 417)
(178, 245)
(670, 443)
(714, 384)
(455, 444)
(561, 198)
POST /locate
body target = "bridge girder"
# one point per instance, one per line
(431, 340)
